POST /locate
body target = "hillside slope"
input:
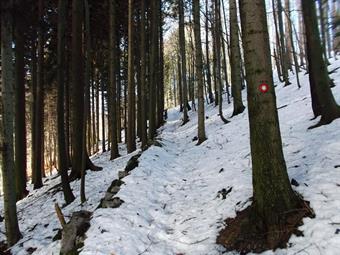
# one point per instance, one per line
(173, 204)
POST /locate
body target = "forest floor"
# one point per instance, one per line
(176, 200)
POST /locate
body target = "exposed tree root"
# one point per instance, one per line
(248, 233)
(238, 110)
(325, 121)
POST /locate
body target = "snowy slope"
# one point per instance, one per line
(172, 205)
(171, 199)
(37, 218)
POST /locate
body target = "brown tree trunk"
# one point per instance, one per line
(153, 69)
(183, 60)
(218, 58)
(143, 76)
(113, 80)
(235, 61)
(38, 129)
(284, 58)
(62, 152)
(208, 72)
(323, 101)
(199, 71)
(288, 34)
(7, 125)
(20, 109)
(131, 132)
(77, 106)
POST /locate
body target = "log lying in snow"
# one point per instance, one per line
(73, 233)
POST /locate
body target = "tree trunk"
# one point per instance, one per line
(296, 64)
(153, 72)
(283, 48)
(322, 97)
(210, 94)
(336, 27)
(93, 114)
(323, 30)
(218, 58)
(62, 152)
(7, 125)
(20, 110)
(143, 76)
(328, 34)
(180, 87)
(131, 134)
(199, 71)
(235, 62)
(38, 129)
(119, 90)
(183, 60)
(288, 34)
(78, 88)
(103, 114)
(161, 68)
(224, 51)
(278, 45)
(113, 79)
(97, 109)
(67, 107)
(302, 43)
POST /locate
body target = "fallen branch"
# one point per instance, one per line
(60, 215)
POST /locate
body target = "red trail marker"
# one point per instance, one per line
(264, 87)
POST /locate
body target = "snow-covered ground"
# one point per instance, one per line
(172, 202)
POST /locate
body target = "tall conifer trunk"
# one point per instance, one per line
(183, 60)
(323, 102)
(113, 79)
(62, 152)
(235, 61)
(131, 132)
(38, 128)
(20, 108)
(7, 125)
(199, 71)
(77, 106)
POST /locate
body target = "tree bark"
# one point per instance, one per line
(336, 27)
(20, 109)
(113, 79)
(208, 72)
(218, 58)
(144, 137)
(235, 61)
(183, 61)
(323, 101)
(199, 71)
(38, 129)
(7, 125)
(153, 72)
(283, 48)
(78, 88)
(62, 152)
(131, 134)
(288, 34)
